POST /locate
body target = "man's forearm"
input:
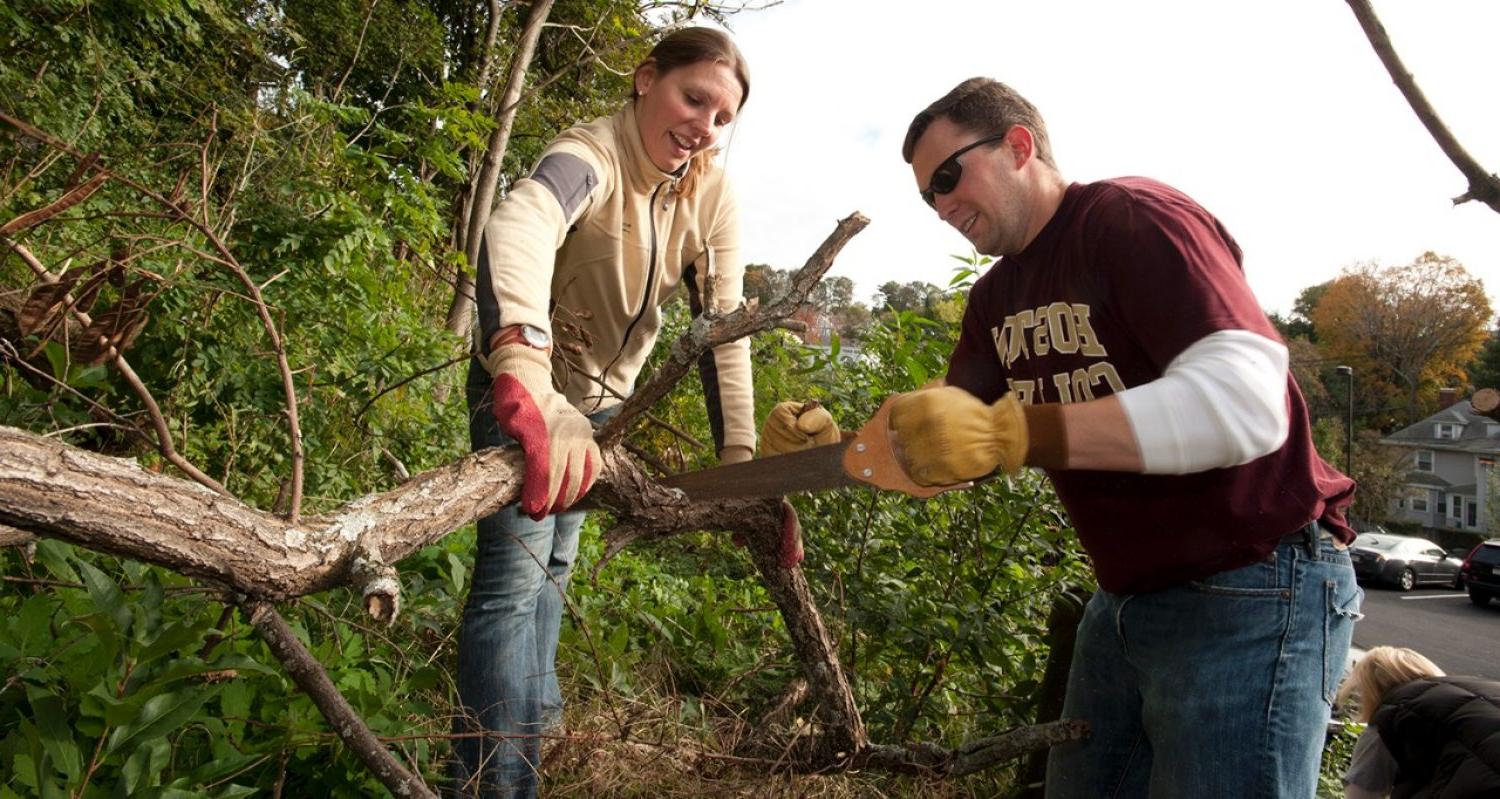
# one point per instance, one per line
(1099, 436)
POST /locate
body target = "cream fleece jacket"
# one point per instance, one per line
(596, 239)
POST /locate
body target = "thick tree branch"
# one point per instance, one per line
(114, 506)
(844, 733)
(1483, 186)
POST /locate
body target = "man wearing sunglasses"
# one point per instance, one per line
(1116, 345)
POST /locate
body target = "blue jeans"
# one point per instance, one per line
(507, 644)
(1215, 688)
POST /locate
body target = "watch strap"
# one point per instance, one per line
(516, 334)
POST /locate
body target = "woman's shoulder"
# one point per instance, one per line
(716, 182)
(597, 140)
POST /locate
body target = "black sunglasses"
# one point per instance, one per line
(947, 175)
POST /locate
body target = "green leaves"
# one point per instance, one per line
(158, 715)
(56, 737)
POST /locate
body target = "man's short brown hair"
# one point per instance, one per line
(987, 107)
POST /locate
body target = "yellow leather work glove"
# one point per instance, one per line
(794, 426)
(948, 436)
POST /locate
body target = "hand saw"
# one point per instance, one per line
(865, 458)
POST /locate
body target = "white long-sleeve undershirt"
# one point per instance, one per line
(1221, 402)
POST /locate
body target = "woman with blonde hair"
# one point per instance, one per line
(1372, 769)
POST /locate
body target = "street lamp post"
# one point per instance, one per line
(1348, 371)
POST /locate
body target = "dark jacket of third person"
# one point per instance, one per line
(1444, 733)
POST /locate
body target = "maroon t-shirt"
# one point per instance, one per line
(1125, 276)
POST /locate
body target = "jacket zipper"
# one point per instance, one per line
(645, 291)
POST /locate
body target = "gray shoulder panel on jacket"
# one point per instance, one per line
(568, 177)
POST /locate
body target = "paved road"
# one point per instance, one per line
(1438, 622)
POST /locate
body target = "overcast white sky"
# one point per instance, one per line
(1275, 115)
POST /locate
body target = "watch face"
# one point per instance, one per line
(536, 337)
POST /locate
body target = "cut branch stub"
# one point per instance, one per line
(379, 584)
(1486, 401)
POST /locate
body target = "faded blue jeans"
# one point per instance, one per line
(1218, 688)
(507, 644)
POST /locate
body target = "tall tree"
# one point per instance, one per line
(833, 294)
(1408, 327)
(765, 283)
(916, 295)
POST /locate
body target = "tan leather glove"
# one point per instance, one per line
(794, 426)
(948, 436)
(562, 459)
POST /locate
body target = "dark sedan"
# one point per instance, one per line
(1482, 572)
(1403, 561)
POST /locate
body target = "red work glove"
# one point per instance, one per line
(791, 536)
(562, 459)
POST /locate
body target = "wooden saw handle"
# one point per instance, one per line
(871, 458)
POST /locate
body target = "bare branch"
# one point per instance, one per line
(683, 435)
(359, 46)
(487, 65)
(30, 260)
(403, 381)
(11, 537)
(309, 675)
(712, 329)
(1483, 186)
(973, 756)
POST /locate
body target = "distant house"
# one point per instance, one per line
(1453, 456)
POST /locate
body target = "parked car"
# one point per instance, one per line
(1404, 561)
(1481, 572)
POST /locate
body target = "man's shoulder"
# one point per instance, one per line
(1131, 205)
(1131, 192)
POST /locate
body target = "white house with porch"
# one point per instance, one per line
(1453, 454)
